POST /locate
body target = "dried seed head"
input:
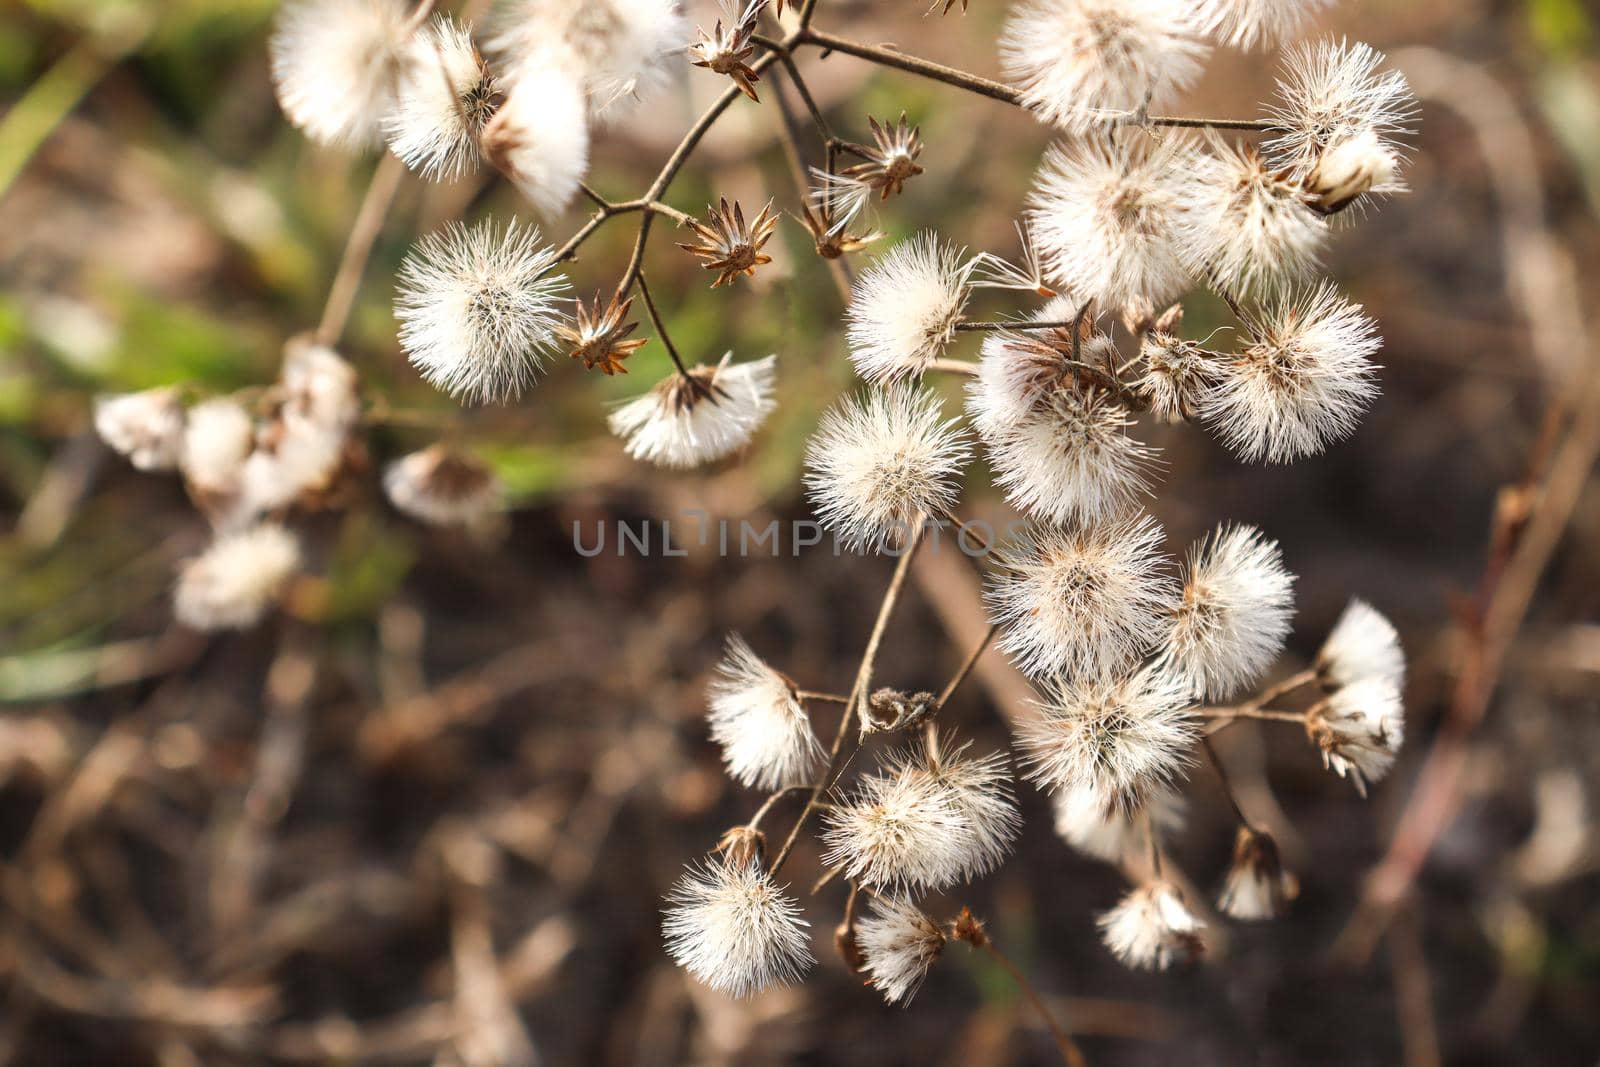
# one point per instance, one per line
(1086, 601)
(729, 245)
(1248, 23)
(743, 845)
(1177, 373)
(231, 585)
(1303, 382)
(1107, 216)
(882, 463)
(766, 737)
(728, 51)
(893, 159)
(337, 64)
(446, 98)
(1082, 821)
(1333, 94)
(146, 427)
(904, 308)
(1362, 645)
(894, 709)
(732, 927)
(1085, 64)
(1124, 740)
(1152, 928)
(1359, 729)
(440, 486)
(1246, 225)
(618, 52)
(1257, 886)
(599, 335)
(478, 309)
(898, 945)
(1237, 603)
(694, 418)
(539, 139)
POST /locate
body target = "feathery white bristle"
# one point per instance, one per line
(1363, 644)
(899, 944)
(146, 427)
(1083, 64)
(1332, 92)
(336, 66)
(619, 51)
(1244, 225)
(766, 737)
(1301, 383)
(732, 927)
(977, 788)
(1107, 215)
(1085, 601)
(478, 308)
(539, 138)
(1082, 821)
(880, 463)
(680, 424)
(231, 585)
(1248, 23)
(442, 487)
(904, 309)
(1124, 739)
(1238, 600)
(446, 97)
(1152, 928)
(1360, 728)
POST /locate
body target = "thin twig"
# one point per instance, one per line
(370, 217)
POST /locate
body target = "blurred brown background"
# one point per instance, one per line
(427, 816)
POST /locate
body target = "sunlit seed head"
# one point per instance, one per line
(218, 435)
(1333, 93)
(898, 944)
(1257, 886)
(446, 98)
(478, 309)
(337, 65)
(1085, 601)
(881, 463)
(711, 413)
(1252, 23)
(766, 737)
(539, 139)
(904, 309)
(146, 427)
(732, 927)
(1362, 645)
(899, 831)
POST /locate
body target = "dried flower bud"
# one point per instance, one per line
(729, 245)
(728, 51)
(599, 338)
(893, 159)
(1350, 168)
(1257, 886)
(848, 947)
(895, 709)
(743, 845)
(1177, 373)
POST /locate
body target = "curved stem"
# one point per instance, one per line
(1070, 1052)
(1246, 712)
(364, 232)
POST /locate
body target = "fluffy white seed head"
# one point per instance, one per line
(1017, 369)
(147, 427)
(978, 788)
(1248, 23)
(1334, 92)
(1257, 886)
(1359, 729)
(901, 830)
(766, 737)
(1238, 600)
(443, 487)
(618, 51)
(1084, 601)
(1302, 383)
(539, 139)
(1125, 739)
(1362, 645)
(880, 463)
(732, 927)
(898, 944)
(446, 96)
(1247, 224)
(1106, 215)
(217, 437)
(231, 585)
(336, 66)
(904, 308)
(1083, 64)
(1081, 820)
(683, 424)
(301, 448)
(478, 308)
(1153, 928)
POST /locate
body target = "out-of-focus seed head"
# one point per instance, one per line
(699, 417)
